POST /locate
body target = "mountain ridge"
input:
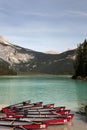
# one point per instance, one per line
(26, 60)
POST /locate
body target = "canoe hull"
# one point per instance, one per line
(23, 124)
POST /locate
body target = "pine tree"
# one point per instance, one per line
(80, 64)
(85, 58)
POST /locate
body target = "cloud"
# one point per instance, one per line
(78, 13)
(43, 22)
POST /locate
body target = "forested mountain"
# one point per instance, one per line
(23, 60)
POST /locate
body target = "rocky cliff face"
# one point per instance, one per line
(26, 60)
(13, 54)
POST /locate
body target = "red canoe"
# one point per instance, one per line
(69, 116)
(37, 113)
(24, 103)
(23, 124)
(34, 109)
(14, 109)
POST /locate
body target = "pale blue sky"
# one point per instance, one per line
(44, 25)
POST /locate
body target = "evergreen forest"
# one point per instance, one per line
(5, 70)
(80, 64)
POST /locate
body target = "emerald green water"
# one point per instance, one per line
(61, 90)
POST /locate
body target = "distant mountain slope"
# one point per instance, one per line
(25, 60)
(5, 68)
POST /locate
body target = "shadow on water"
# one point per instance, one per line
(81, 117)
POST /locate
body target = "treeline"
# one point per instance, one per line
(5, 70)
(80, 64)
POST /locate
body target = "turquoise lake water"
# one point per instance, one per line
(61, 90)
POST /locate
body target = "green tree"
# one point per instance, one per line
(5, 70)
(80, 65)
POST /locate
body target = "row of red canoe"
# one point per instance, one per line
(29, 115)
